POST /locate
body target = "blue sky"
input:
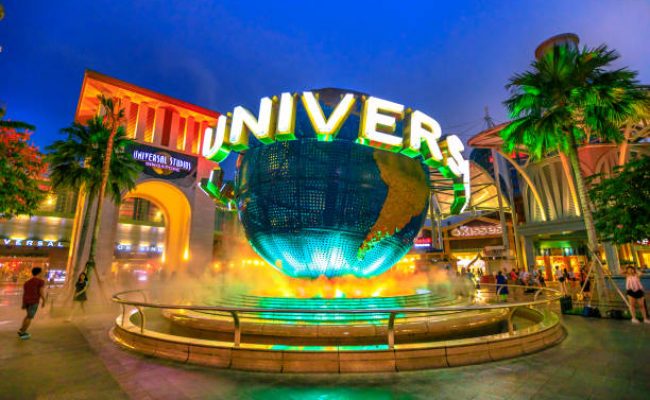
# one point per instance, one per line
(447, 58)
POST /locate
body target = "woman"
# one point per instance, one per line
(635, 294)
(80, 297)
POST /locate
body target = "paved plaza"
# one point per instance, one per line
(600, 359)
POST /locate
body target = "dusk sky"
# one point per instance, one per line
(450, 59)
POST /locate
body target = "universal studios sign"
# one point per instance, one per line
(421, 135)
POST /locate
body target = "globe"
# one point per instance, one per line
(312, 208)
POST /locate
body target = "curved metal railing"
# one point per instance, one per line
(551, 295)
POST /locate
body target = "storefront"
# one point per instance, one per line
(476, 244)
(564, 254)
(19, 256)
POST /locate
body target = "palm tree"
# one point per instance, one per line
(568, 97)
(113, 116)
(24, 126)
(76, 164)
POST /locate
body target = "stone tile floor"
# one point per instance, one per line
(600, 359)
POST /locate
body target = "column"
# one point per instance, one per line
(131, 119)
(202, 224)
(141, 122)
(198, 136)
(189, 134)
(158, 125)
(173, 130)
(182, 131)
(529, 252)
(502, 215)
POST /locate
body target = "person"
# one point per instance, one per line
(635, 294)
(542, 280)
(80, 297)
(559, 275)
(502, 286)
(513, 275)
(33, 291)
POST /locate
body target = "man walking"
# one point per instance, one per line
(33, 291)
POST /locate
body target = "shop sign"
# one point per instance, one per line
(644, 242)
(422, 242)
(162, 163)
(479, 230)
(34, 243)
(143, 248)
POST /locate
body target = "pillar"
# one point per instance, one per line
(158, 125)
(502, 215)
(529, 252)
(141, 122)
(173, 131)
(202, 225)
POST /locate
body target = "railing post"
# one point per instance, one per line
(141, 319)
(123, 314)
(237, 328)
(391, 330)
(537, 293)
(511, 325)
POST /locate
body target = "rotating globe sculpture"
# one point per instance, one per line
(312, 208)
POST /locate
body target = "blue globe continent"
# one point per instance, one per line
(313, 208)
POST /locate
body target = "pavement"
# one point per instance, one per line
(600, 359)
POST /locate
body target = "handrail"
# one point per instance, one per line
(227, 309)
(392, 312)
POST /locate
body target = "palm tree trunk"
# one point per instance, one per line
(587, 216)
(83, 234)
(90, 265)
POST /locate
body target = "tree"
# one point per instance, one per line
(76, 163)
(622, 202)
(567, 96)
(21, 166)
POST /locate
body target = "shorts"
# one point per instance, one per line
(635, 294)
(561, 280)
(31, 310)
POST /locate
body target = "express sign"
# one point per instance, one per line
(480, 230)
(421, 135)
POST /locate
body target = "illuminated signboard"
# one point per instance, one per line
(478, 230)
(420, 136)
(143, 248)
(161, 163)
(34, 243)
(422, 242)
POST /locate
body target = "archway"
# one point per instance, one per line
(177, 216)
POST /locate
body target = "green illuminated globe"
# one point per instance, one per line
(313, 208)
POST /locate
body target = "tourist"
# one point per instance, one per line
(513, 276)
(502, 286)
(559, 276)
(635, 294)
(80, 288)
(542, 280)
(33, 291)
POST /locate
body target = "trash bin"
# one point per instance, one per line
(566, 304)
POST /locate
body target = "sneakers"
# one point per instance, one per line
(24, 335)
(635, 321)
